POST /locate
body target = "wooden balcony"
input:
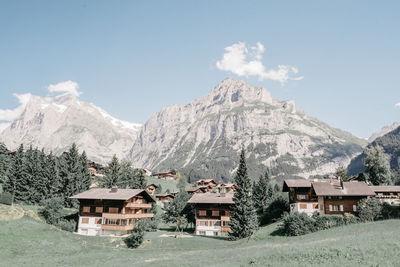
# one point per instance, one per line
(225, 218)
(225, 229)
(138, 205)
(117, 227)
(127, 215)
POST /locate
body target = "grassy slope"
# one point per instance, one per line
(165, 184)
(29, 242)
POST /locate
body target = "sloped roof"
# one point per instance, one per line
(288, 183)
(211, 198)
(386, 188)
(106, 193)
(165, 195)
(335, 189)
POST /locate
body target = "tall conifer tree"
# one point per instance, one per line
(17, 183)
(113, 172)
(244, 217)
(262, 192)
(70, 173)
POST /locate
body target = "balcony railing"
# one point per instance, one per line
(117, 227)
(127, 215)
(225, 218)
(138, 205)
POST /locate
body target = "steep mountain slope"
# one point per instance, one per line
(204, 137)
(383, 131)
(56, 122)
(390, 143)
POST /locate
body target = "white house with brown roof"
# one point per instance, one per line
(212, 211)
(112, 211)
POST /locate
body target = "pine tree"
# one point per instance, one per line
(127, 177)
(140, 179)
(176, 207)
(377, 166)
(17, 183)
(70, 173)
(262, 192)
(244, 217)
(5, 162)
(113, 172)
(51, 172)
(85, 180)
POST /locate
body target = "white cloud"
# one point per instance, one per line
(397, 105)
(69, 87)
(11, 114)
(247, 61)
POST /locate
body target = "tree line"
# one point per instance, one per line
(31, 176)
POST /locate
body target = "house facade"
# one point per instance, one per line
(206, 183)
(113, 211)
(212, 211)
(164, 198)
(387, 193)
(300, 197)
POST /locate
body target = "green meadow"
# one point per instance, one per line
(29, 242)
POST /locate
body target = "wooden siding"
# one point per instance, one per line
(347, 203)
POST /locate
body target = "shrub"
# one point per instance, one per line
(5, 198)
(294, 224)
(390, 212)
(275, 209)
(52, 210)
(136, 237)
(66, 225)
(369, 209)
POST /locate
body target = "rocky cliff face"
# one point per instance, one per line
(54, 123)
(204, 137)
(383, 131)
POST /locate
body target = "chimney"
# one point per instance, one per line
(114, 189)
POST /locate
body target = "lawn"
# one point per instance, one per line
(28, 242)
(165, 184)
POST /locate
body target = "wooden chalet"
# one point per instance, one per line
(336, 197)
(206, 182)
(300, 198)
(151, 189)
(164, 198)
(166, 175)
(226, 188)
(193, 190)
(213, 212)
(387, 193)
(112, 211)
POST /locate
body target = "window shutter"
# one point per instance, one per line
(330, 208)
(341, 207)
(99, 209)
(86, 209)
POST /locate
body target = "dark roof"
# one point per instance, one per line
(194, 189)
(106, 193)
(386, 188)
(335, 189)
(288, 183)
(165, 195)
(211, 198)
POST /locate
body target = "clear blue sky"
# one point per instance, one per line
(134, 57)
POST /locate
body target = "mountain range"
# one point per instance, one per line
(200, 139)
(54, 123)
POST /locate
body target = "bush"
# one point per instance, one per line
(66, 225)
(136, 237)
(52, 210)
(369, 209)
(275, 209)
(295, 224)
(390, 212)
(5, 198)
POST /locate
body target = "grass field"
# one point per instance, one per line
(28, 242)
(165, 184)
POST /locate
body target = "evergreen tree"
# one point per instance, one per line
(70, 173)
(51, 172)
(112, 177)
(176, 207)
(244, 218)
(262, 192)
(127, 178)
(5, 162)
(17, 183)
(140, 179)
(377, 166)
(86, 180)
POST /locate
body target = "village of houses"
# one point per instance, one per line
(115, 212)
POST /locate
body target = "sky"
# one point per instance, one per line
(338, 60)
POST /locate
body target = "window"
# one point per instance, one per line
(335, 207)
(339, 197)
(202, 213)
(354, 207)
(216, 233)
(112, 221)
(303, 206)
(202, 232)
(113, 210)
(202, 223)
(301, 197)
(86, 209)
(99, 209)
(215, 213)
(85, 220)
